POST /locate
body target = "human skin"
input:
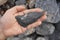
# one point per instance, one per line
(10, 27)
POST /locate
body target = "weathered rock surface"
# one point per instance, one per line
(52, 9)
(57, 25)
(45, 29)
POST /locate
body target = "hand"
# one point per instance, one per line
(10, 25)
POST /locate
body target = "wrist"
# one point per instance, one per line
(2, 35)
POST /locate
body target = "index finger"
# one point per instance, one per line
(29, 10)
(16, 9)
(33, 10)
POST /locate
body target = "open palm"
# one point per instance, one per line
(11, 26)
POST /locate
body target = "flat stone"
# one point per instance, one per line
(58, 24)
(45, 29)
(20, 2)
(52, 9)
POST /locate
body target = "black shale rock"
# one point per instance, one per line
(29, 18)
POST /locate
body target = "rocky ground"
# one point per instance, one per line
(50, 28)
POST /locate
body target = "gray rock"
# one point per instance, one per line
(42, 38)
(57, 25)
(3, 2)
(20, 2)
(21, 36)
(45, 29)
(28, 38)
(30, 31)
(13, 38)
(52, 9)
(59, 7)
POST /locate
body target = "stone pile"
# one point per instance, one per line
(49, 29)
